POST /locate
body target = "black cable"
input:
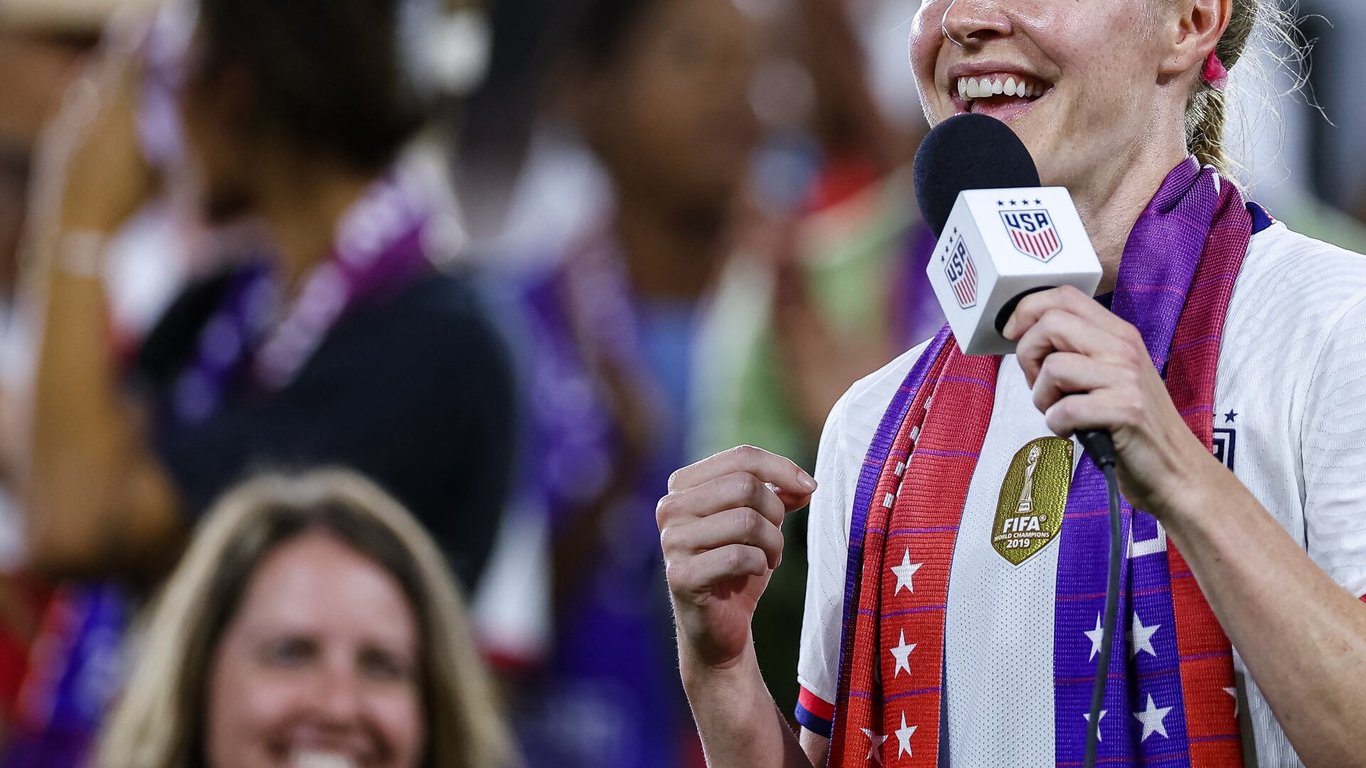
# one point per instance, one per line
(1107, 465)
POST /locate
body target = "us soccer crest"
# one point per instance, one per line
(1033, 497)
(1226, 438)
(1032, 233)
(961, 271)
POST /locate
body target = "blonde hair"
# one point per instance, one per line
(160, 720)
(1253, 22)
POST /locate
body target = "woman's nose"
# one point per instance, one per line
(339, 694)
(973, 22)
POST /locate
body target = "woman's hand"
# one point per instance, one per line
(90, 161)
(720, 529)
(1089, 369)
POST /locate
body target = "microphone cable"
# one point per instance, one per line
(1101, 447)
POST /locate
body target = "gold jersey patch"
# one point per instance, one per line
(1033, 497)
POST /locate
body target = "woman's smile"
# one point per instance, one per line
(1000, 91)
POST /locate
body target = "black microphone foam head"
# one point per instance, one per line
(968, 152)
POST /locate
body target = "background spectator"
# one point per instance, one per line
(312, 619)
(332, 338)
(658, 91)
(328, 334)
(42, 46)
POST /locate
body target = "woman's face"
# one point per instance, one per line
(673, 115)
(1078, 80)
(319, 667)
(217, 149)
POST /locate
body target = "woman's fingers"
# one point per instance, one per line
(736, 489)
(737, 508)
(703, 572)
(1110, 409)
(720, 529)
(1057, 331)
(1067, 299)
(764, 466)
(1064, 374)
(723, 516)
(732, 526)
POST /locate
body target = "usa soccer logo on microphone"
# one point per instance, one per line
(961, 271)
(1032, 233)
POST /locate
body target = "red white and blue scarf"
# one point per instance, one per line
(1175, 282)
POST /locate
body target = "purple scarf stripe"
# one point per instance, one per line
(1155, 278)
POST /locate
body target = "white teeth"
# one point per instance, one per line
(303, 759)
(973, 88)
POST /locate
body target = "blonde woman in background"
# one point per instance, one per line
(312, 623)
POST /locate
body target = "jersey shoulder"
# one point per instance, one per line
(1289, 268)
(1291, 298)
(861, 408)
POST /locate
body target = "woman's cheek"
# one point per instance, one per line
(399, 714)
(925, 47)
(246, 705)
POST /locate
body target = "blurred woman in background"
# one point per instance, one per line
(658, 90)
(313, 624)
(346, 345)
(334, 339)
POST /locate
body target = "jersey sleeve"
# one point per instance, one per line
(1334, 452)
(827, 553)
(839, 460)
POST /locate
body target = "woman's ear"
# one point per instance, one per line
(1197, 27)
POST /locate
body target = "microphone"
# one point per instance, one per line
(1002, 236)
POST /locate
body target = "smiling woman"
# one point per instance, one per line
(1105, 99)
(312, 624)
(1220, 326)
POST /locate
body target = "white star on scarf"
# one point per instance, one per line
(1087, 717)
(1095, 636)
(902, 654)
(904, 572)
(1152, 717)
(903, 737)
(874, 745)
(1141, 637)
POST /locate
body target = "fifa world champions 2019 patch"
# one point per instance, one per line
(1033, 497)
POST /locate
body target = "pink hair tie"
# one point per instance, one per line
(1215, 73)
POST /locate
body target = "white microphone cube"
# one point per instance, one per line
(999, 244)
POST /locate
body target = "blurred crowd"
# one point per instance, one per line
(452, 287)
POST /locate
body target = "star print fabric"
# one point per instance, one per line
(1291, 367)
(1170, 687)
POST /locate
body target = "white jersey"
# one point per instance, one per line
(1290, 420)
